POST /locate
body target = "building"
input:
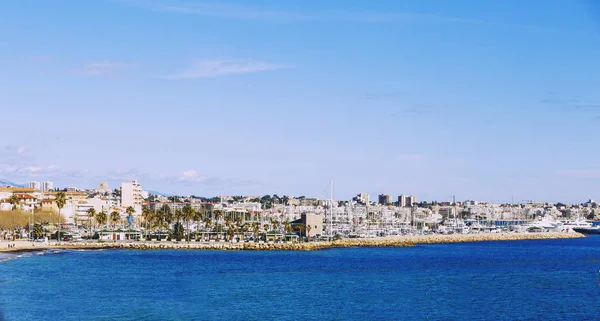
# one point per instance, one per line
(385, 199)
(103, 188)
(362, 198)
(402, 201)
(131, 195)
(49, 205)
(47, 186)
(35, 185)
(411, 201)
(313, 224)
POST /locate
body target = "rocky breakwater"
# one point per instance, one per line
(483, 237)
(394, 241)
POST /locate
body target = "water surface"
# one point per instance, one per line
(516, 280)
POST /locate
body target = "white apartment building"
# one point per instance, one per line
(402, 201)
(35, 185)
(47, 186)
(411, 200)
(131, 195)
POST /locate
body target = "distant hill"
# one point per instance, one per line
(5, 183)
(159, 193)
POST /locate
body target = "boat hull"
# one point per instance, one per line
(587, 230)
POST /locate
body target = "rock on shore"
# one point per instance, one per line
(395, 241)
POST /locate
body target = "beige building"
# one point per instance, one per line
(315, 222)
(131, 195)
(49, 205)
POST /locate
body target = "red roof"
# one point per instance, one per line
(24, 196)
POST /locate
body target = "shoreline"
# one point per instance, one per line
(390, 241)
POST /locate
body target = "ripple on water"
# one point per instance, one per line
(533, 280)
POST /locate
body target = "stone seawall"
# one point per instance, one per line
(395, 241)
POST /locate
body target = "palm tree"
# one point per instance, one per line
(61, 200)
(198, 217)
(147, 215)
(130, 210)
(275, 224)
(287, 226)
(218, 216)
(301, 228)
(14, 201)
(229, 225)
(91, 212)
(188, 214)
(115, 217)
(244, 228)
(256, 229)
(101, 219)
(308, 228)
(208, 224)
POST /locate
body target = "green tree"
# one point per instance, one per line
(208, 224)
(308, 228)
(38, 231)
(178, 231)
(302, 228)
(61, 201)
(91, 212)
(187, 215)
(287, 226)
(101, 219)
(14, 201)
(218, 216)
(148, 216)
(229, 225)
(256, 229)
(115, 217)
(198, 215)
(130, 211)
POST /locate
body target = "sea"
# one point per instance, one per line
(512, 280)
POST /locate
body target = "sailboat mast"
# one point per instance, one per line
(331, 208)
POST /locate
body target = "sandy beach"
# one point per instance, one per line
(395, 241)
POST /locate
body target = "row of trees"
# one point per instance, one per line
(101, 218)
(213, 221)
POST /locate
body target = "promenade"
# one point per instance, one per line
(393, 241)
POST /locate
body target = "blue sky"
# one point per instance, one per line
(485, 100)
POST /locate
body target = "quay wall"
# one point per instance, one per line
(394, 241)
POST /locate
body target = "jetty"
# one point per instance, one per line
(392, 241)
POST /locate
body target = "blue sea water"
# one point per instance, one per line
(518, 280)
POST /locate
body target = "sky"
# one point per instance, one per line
(485, 100)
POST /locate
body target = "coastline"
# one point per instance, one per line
(392, 241)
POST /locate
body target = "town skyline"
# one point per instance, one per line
(381, 198)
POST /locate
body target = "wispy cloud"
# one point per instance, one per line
(101, 68)
(413, 111)
(410, 157)
(384, 95)
(40, 58)
(215, 68)
(191, 176)
(22, 149)
(31, 171)
(590, 173)
(572, 103)
(586, 107)
(213, 9)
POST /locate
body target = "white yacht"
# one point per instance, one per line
(546, 224)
